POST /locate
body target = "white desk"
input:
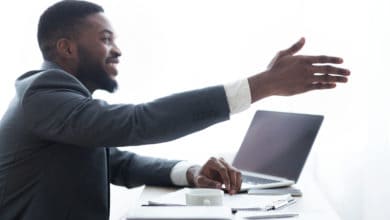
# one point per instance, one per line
(312, 206)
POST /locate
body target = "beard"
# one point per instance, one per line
(91, 72)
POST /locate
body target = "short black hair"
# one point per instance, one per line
(60, 20)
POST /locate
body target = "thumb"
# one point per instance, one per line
(294, 48)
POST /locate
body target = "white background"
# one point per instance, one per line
(174, 45)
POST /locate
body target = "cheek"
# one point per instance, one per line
(102, 52)
(99, 51)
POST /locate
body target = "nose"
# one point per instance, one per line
(115, 51)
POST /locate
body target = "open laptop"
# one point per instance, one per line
(275, 148)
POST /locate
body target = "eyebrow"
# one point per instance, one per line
(107, 31)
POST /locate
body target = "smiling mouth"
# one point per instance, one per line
(112, 62)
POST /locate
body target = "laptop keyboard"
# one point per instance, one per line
(256, 180)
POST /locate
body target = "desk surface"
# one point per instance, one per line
(313, 204)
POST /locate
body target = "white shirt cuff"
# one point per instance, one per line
(238, 96)
(179, 173)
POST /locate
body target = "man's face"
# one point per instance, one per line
(97, 54)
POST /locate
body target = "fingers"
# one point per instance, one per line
(323, 59)
(294, 48)
(328, 69)
(221, 169)
(203, 181)
(235, 177)
(315, 86)
(328, 74)
(327, 79)
(217, 172)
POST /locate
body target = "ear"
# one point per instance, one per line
(66, 48)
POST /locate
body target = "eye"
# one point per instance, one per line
(107, 40)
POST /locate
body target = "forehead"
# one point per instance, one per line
(97, 23)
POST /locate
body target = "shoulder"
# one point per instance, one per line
(49, 80)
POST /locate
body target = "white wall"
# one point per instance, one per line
(174, 45)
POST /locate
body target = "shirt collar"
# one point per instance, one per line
(50, 65)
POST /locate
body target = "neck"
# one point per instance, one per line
(72, 70)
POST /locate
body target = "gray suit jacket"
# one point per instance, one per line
(55, 155)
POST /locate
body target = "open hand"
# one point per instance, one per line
(290, 74)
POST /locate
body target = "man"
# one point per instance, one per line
(57, 143)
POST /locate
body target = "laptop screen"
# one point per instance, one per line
(278, 143)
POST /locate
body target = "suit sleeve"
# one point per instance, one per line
(130, 170)
(58, 108)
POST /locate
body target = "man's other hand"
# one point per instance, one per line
(214, 174)
(290, 74)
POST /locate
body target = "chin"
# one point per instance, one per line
(107, 82)
(110, 85)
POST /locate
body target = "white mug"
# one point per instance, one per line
(204, 197)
